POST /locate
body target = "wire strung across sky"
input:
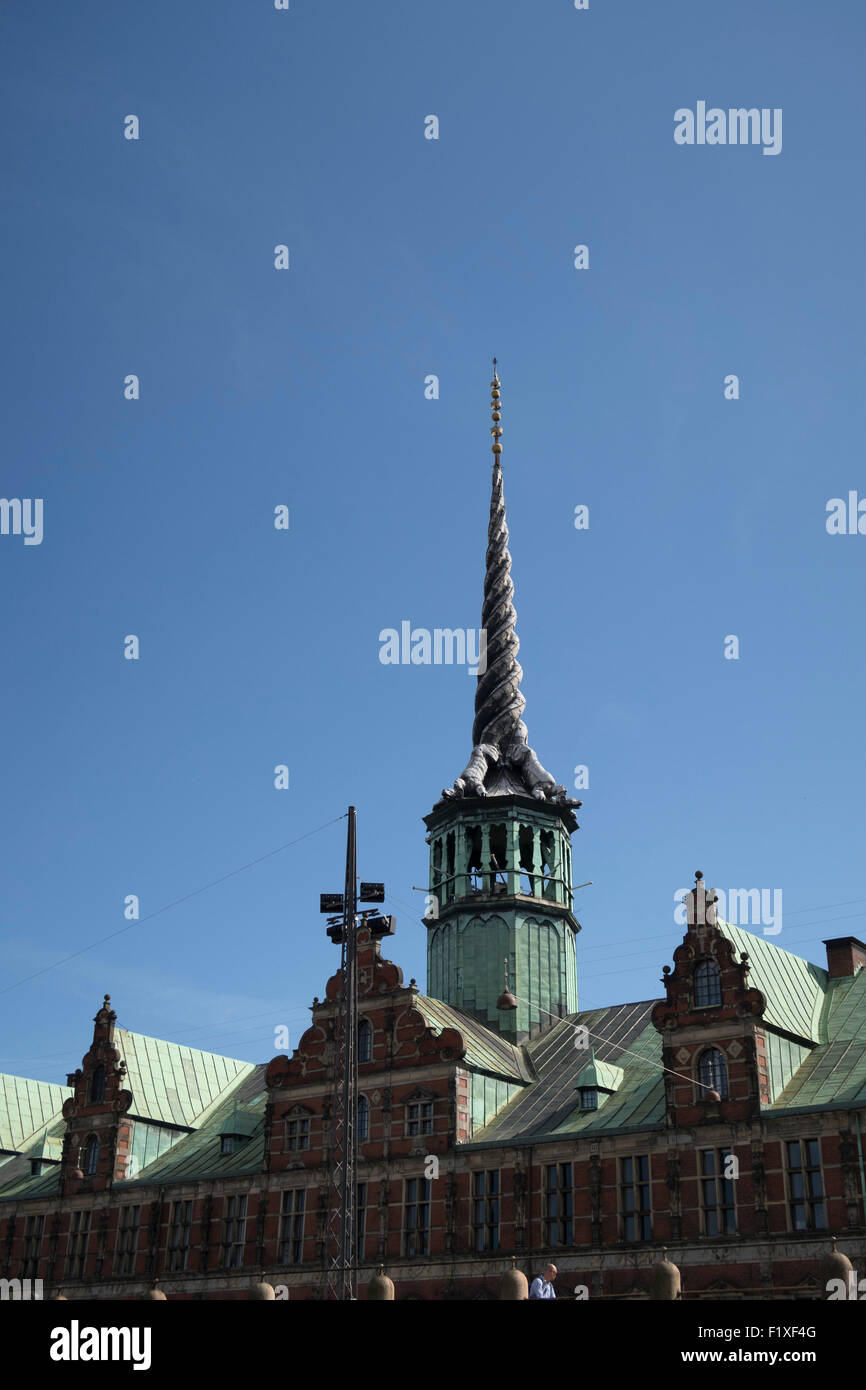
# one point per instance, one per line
(176, 903)
(405, 908)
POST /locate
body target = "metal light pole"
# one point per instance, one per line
(342, 1187)
(340, 1239)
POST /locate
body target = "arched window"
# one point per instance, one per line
(365, 1040)
(713, 1072)
(97, 1086)
(91, 1155)
(363, 1118)
(707, 983)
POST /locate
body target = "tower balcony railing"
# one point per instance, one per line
(501, 883)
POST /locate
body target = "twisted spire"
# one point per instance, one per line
(498, 700)
(502, 762)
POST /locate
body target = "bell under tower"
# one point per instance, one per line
(500, 838)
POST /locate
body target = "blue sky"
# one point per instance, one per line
(305, 387)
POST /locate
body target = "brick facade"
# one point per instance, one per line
(452, 1236)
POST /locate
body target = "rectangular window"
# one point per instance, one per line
(805, 1185)
(559, 1220)
(362, 1222)
(234, 1232)
(717, 1193)
(298, 1132)
(179, 1235)
(127, 1240)
(34, 1227)
(485, 1209)
(419, 1117)
(416, 1217)
(634, 1198)
(292, 1226)
(79, 1232)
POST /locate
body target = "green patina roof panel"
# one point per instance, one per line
(600, 1074)
(198, 1155)
(793, 988)
(173, 1084)
(623, 1036)
(25, 1106)
(485, 1050)
(835, 1071)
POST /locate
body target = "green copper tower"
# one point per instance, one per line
(500, 838)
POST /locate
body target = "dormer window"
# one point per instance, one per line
(97, 1086)
(707, 984)
(597, 1082)
(419, 1117)
(298, 1133)
(236, 1130)
(713, 1072)
(91, 1156)
(35, 1167)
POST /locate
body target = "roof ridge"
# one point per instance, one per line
(203, 1051)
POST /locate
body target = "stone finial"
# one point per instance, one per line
(665, 1283)
(513, 1286)
(262, 1291)
(834, 1265)
(380, 1288)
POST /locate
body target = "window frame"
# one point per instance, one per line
(632, 1183)
(722, 1210)
(34, 1233)
(361, 1232)
(90, 1162)
(126, 1246)
(707, 965)
(417, 1195)
(297, 1133)
(77, 1242)
(419, 1118)
(559, 1204)
(709, 1084)
(486, 1210)
(293, 1217)
(179, 1235)
(807, 1199)
(98, 1080)
(234, 1233)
